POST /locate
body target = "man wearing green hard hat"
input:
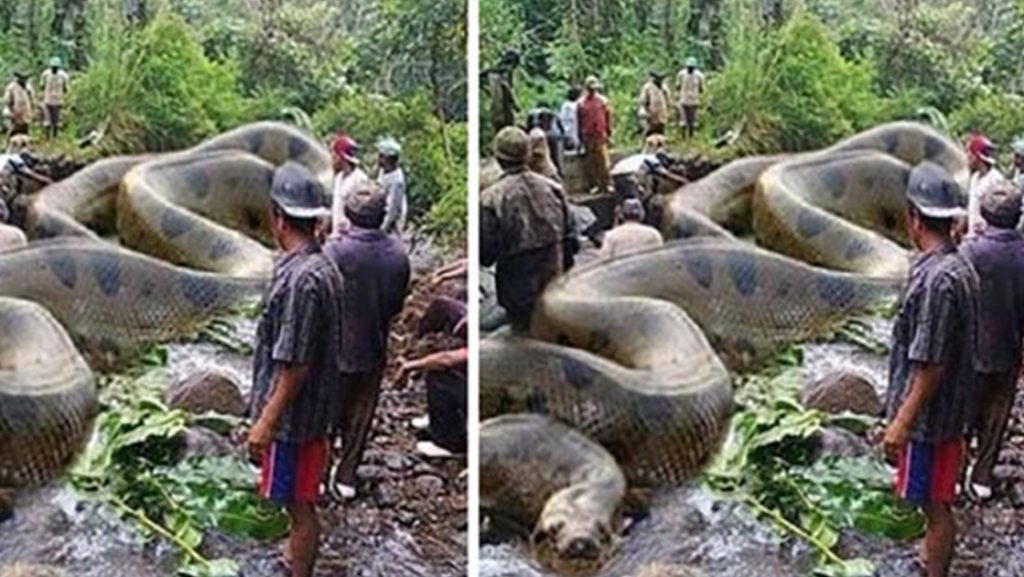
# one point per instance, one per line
(690, 82)
(55, 91)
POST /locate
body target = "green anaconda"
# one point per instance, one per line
(634, 352)
(189, 227)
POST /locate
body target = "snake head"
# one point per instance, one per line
(572, 545)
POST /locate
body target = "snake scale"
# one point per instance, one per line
(191, 233)
(634, 353)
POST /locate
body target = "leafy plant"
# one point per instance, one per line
(767, 463)
(131, 464)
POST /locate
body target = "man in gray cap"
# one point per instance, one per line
(997, 254)
(632, 235)
(524, 224)
(391, 178)
(376, 271)
(296, 364)
(931, 366)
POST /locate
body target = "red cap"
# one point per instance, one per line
(345, 147)
(982, 147)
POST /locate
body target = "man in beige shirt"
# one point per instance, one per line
(654, 101)
(632, 235)
(691, 86)
(55, 90)
(18, 99)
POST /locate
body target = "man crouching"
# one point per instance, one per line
(296, 364)
(932, 368)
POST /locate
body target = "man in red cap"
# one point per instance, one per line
(981, 163)
(344, 152)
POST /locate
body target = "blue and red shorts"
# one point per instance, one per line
(291, 472)
(928, 472)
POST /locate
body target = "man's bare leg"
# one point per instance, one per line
(939, 539)
(304, 539)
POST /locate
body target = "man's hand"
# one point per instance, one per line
(896, 436)
(260, 437)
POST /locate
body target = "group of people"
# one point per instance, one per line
(322, 340)
(20, 106)
(957, 341)
(583, 123)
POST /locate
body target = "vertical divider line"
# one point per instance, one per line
(473, 272)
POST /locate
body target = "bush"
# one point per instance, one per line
(791, 90)
(997, 115)
(433, 153)
(155, 90)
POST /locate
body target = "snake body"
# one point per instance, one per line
(192, 229)
(635, 352)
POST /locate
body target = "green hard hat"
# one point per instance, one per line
(55, 62)
(512, 145)
(691, 62)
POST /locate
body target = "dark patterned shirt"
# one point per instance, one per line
(998, 257)
(301, 324)
(937, 324)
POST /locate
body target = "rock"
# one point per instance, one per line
(836, 442)
(371, 473)
(200, 442)
(386, 496)
(842, 391)
(665, 570)
(1017, 495)
(207, 391)
(429, 485)
(23, 570)
(11, 237)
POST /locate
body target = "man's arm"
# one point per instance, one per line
(288, 379)
(490, 236)
(438, 361)
(923, 385)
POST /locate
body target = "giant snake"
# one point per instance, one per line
(634, 353)
(127, 252)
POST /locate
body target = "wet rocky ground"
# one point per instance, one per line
(409, 518)
(691, 532)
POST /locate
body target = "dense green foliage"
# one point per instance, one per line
(164, 74)
(768, 463)
(787, 75)
(132, 465)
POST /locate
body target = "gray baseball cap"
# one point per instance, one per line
(934, 192)
(1000, 205)
(297, 192)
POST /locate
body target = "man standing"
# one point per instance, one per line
(499, 84)
(981, 163)
(567, 117)
(55, 89)
(632, 235)
(296, 380)
(392, 179)
(524, 222)
(1018, 163)
(691, 85)
(654, 101)
(932, 364)
(997, 254)
(344, 152)
(376, 271)
(595, 125)
(18, 99)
